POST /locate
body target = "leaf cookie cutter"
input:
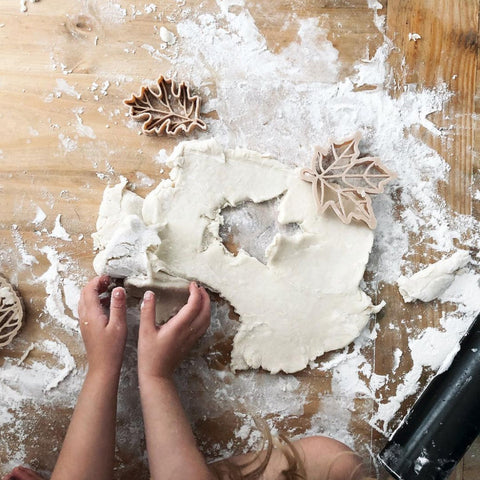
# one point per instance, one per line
(167, 107)
(344, 182)
(12, 312)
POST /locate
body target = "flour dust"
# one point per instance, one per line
(282, 103)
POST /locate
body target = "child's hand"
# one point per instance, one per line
(161, 349)
(22, 473)
(104, 335)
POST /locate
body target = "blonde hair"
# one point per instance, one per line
(254, 468)
(229, 470)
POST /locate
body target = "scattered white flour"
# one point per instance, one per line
(67, 144)
(71, 292)
(52, 278)
(144, 180)
(27, 259)
(46, 375)
(60, 232)
(308, 108)
(26, 353)
(414, 36)
(397, 356)
(155, 53)
(161, 157)
(48, 378)
(464, 292)
(84, 130)
(111, 12)
(104, 88)
(433, 349)
(428, 284)
(40, 216)
(64, 87)
(150, 8)
(62, 353)
(36, 378)
(23, 5)
(420, 462)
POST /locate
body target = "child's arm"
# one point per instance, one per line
(88, 449)
(171, 446)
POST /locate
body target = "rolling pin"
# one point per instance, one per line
(444, 421)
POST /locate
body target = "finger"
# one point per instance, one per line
(201, 323)
(206, 307)
(118, 307)
(189, 311)
(23, 473)
(89, 297)
(199, 329)
(147, 314)
(96, 286)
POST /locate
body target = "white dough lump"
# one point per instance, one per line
(304, 301)
(429, 283)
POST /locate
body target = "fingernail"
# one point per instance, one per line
(148, 295)
(119, 293)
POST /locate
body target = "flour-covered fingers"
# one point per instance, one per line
(147, 314)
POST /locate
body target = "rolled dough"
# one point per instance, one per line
(305, 300)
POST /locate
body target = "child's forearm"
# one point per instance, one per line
(171, 446)
(89, 446)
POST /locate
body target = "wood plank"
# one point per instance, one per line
(37, 169)
(445, 53)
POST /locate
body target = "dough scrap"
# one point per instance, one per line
(303, 302)
(429, 283)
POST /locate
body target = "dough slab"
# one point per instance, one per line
(304, 301)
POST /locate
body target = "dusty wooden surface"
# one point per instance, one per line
(36, 170)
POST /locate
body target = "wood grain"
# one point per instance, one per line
(445, 55)
(67, 40)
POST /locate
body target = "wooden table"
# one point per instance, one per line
(45, 162)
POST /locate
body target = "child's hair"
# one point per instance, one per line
(253, 469)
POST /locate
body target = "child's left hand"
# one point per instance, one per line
(104, 335)
(161, 349)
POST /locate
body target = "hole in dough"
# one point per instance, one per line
(251, 227)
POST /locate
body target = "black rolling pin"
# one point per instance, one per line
(443, 422)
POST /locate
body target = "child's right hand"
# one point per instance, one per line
(161, 349)
(104, 335)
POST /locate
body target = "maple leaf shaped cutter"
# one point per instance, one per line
(344, 182)
(167, 107)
